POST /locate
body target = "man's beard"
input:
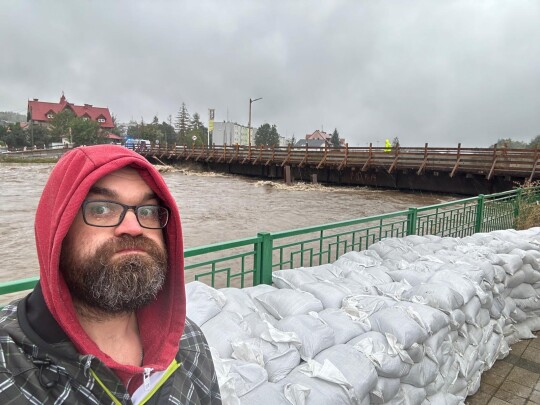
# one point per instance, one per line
(114, 286)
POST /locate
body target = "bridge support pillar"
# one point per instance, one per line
(314, 178)
(288, 177)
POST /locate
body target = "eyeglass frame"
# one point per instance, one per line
(126, 208)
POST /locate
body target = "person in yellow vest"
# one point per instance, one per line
(387, 146)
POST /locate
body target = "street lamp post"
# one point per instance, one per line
(249, 123)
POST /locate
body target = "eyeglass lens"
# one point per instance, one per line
(106, 213)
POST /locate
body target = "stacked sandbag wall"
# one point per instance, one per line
(410, 320)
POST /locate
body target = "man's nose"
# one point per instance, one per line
(129, 225)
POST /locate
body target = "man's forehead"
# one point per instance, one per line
(126, 178)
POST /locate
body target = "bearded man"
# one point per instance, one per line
(106, 323)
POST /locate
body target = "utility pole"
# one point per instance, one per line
(249, 123)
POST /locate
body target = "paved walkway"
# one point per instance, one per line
(513, 380)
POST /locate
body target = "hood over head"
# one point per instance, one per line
(161, 322)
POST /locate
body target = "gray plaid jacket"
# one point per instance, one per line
(33, 371)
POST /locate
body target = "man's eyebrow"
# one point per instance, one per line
(103, 191)
(106, 192)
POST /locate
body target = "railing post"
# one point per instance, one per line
(265, 261)
(517, 202)
(412, 217)
(479, 213)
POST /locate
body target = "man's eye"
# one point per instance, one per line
(147, 212)
(99, 210)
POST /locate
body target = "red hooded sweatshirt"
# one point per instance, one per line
(161, 322)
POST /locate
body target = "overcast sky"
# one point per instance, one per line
(436, 71)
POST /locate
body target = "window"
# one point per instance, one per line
(85, 118)
(101, 120)
(50, 116)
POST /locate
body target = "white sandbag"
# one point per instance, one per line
(325, 384)
(533, 323)
(246, 376)
(435, 295)
(492, 349)
(409, 395)
(202, 302)
(331, 295)
(422, 373)
(457, 319)
(389, 358)
(431, 319)
(258, 290)
(393, 290)
(226, 382)
(345, 326)
(363, 259)
(285, 302)
(471, 310)
(434, 343)
(354, 366)
(273, 394)
(415, 240)
(292, 278)
(436, 386)
(474, 334)
(515, 279)
(389, 246)
(473, 385)
(397, 322)
(222, 329)
(461, 342)
(528, 304)
(497, 307)
(237, 301)
(385, 390)
(532, 257)
(412, 277)
(358, 272)
(313, 333)
(278, 359)
(445, 398)
(523, 291)
(469, 363)
(500, 274)
(355, 287)
(458, 283)
(416, 352)
(511, 263)
(325, 271)
(532, 274)
(363, 306)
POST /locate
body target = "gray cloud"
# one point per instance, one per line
(425, 71)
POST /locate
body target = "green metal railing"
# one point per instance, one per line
(250, 261)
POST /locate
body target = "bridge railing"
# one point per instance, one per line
(251, 261)
(487, 161)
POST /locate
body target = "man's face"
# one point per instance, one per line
(115, 269)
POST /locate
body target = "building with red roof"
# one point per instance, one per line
(43, 112)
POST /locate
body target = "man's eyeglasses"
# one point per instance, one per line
(109, 213)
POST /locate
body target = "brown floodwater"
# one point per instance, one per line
(213, 207)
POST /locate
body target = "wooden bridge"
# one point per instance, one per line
(469, 171)
(458, 170)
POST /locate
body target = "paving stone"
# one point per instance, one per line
(501, 368)
(492, 379)
(523, 377)
(509, 396)
(497, 401)
(519, 347)
(487, 388)
(515, 388)
(480, 398)
(535, 397)
(531, 354)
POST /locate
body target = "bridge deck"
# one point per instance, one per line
(522, 163)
